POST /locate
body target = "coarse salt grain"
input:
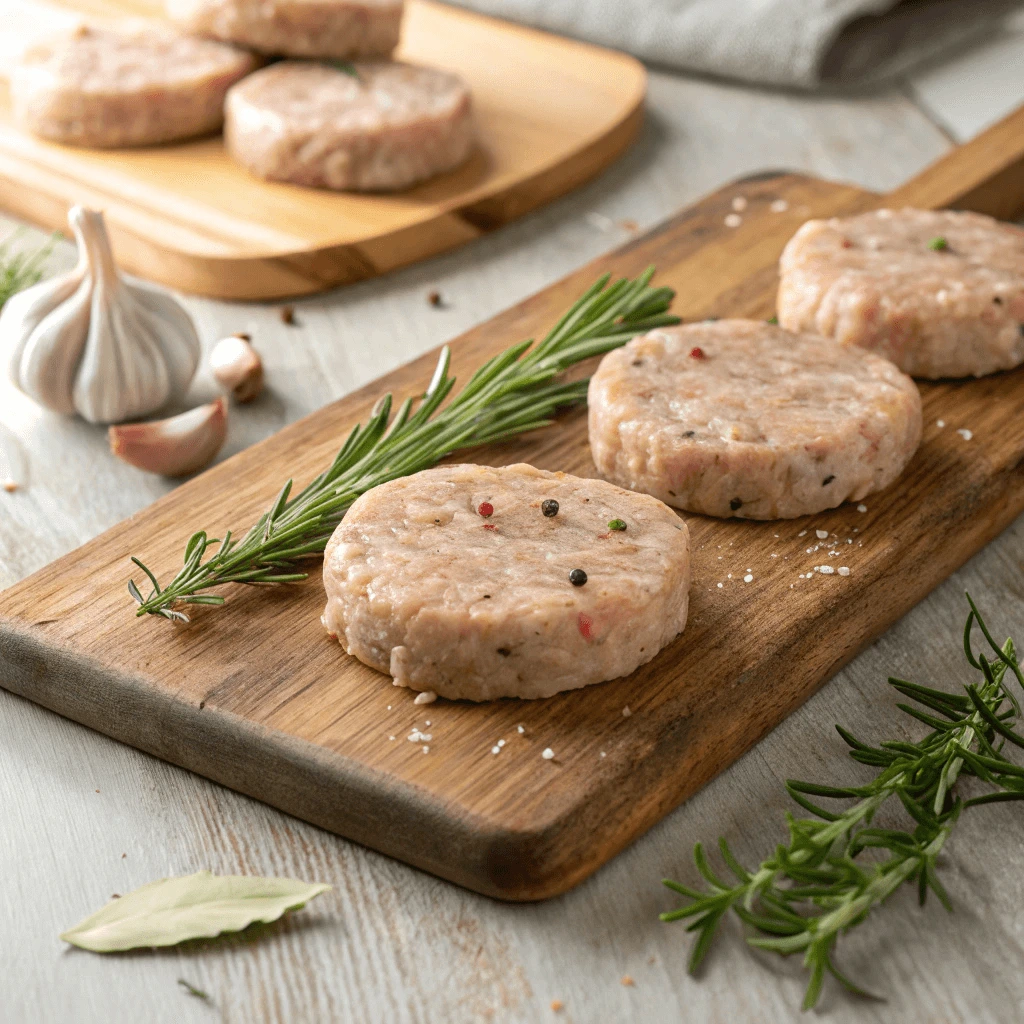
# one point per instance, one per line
(779, 206)
(547, 753)
(802, 533)
(521, 729)
(603, 754)
(821, 534)
(495, 750)
(426, 750)
(965, 434)
(739, 204)
(626, 712)
(600, 221)
(391, 738)
(748, 578)
(862, 508)
(501, 743)
(940, 423)
(826, 570)
(721, 585)
(844, 570)
(733, 220)
(426, 697)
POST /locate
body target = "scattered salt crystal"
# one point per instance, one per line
(821, 534)
(426, 697)
(427, 722)
(419, 737)
(779, 206)
(391, 738)
(844, 570)
(739, 204)
(748, 578)
(965, 434)
(495, 750)
(389, 707)
(940, 423)
(600, 221)
(603, 754)
(426, 750)
(721, 585)
(826, 570)
(733, 220)
(802, 533)
(626, 712)
(521, 730)
(862, 508)
(547, 754)
(501, 743)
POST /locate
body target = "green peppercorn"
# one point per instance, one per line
(618, 525)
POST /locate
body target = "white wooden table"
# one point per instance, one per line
(82, 817)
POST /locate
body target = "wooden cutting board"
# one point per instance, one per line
(254, 695)
(551, 113)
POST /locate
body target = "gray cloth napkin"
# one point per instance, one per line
(801, 43)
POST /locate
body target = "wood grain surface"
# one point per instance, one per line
(551, 114)
(256, 697)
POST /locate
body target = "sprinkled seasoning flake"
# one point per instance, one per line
(626, 712)
(965, 433)
(585, 625)
(862, 508)
(938, 244)
(548, 754)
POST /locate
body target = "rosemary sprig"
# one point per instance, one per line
(512, 393)
(800, 899)
(19, 270)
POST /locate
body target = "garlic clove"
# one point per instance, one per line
(175, 446)
(237, 367)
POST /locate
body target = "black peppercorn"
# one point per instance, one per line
(549, 507)
(577, 577)
(736, 503)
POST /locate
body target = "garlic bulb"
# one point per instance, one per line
(90, 342)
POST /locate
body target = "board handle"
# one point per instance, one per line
(985, 175)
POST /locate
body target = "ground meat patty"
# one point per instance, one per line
(389, 127)
(941, 294)
(138, 86)
(343, 29)
(457, 581)
(741, 418)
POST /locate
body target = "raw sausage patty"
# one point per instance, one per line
(941, 294)
(296, 28)
(457, 580)
(139, 86)
(392, 126)
(741, 418)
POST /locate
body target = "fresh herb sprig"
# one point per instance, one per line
(19, 270)
(819, 885)
(512, 393)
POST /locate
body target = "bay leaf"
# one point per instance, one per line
(200, 906)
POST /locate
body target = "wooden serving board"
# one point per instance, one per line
(255, 695)
(551, 113)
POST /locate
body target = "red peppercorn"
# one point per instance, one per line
(696, 353)
(585, 624)
(486, 509)
(847, 244)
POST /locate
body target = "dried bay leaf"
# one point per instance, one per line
(199, 906)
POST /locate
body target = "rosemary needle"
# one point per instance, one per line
(818, 886)
(20, 270)
(514, 392)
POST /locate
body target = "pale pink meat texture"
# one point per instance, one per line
(742, 418)
(136, 86)
(420, 585)
(884, 281)
(387, 127)
(340, 29)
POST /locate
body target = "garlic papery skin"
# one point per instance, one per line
(237, 366)
(92, 343)
(176, 446)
